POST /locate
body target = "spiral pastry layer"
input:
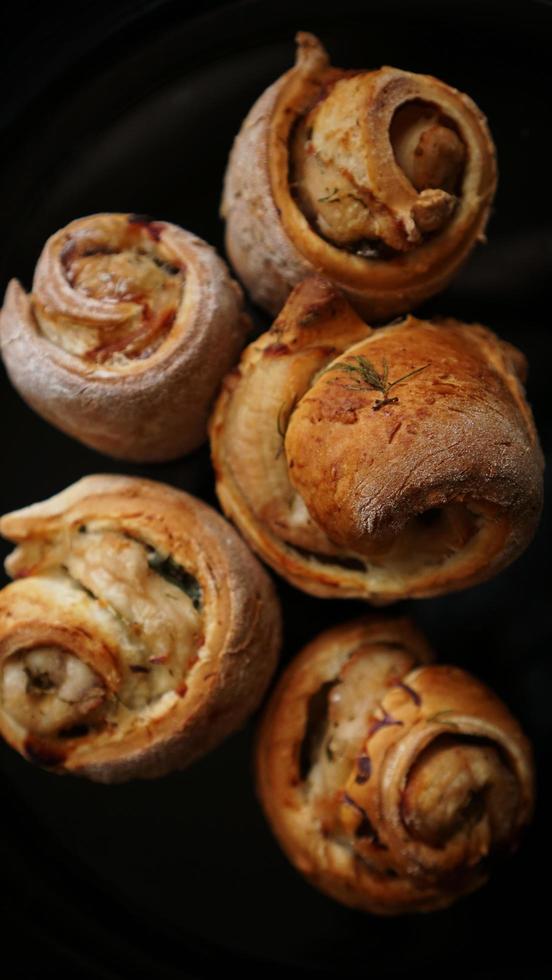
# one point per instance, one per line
(138, 633)
(378, 464)
(130, 326)
(390, 782)
(380, 180)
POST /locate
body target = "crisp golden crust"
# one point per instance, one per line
(390, 782)
(138, 633)
(381, 464)
(381, 180)
(130, 326)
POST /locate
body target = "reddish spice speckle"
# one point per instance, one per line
(153, 228)
(276, 350)
(67, 253)
(393, 432)
(42, 754)
(150, 333)
(167, 321)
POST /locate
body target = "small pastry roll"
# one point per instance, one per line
(130, 326)
(377, 464)
(390, 782)
(138, 633)
(380, 180)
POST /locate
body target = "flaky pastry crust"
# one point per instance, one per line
(378, 464)
(380, 180)
(390, 782)
(128, 330)
(138, 633)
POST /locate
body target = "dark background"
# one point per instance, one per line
(133, 106)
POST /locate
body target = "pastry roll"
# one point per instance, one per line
(378, 464)
(138, 633)
(391, 782)
(380, 180)
(130, 326)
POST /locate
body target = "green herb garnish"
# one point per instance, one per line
(367, 376)
(176, 575)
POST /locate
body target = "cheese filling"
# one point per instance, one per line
(145, 607)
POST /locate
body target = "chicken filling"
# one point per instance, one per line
(329, 181)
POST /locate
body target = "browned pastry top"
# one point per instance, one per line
(352, 443)
(377, 463)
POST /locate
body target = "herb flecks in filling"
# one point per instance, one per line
(336, 186)
(157, 619)
(133, 630)
(176, 575)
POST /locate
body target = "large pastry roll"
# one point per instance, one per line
(377, 464)
(380, 180)
(130, 326)
(138, 633)
(391, 783)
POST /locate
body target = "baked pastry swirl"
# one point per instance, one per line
(377, 464)
(390, 782)
(138, 633)
(380, 180)
(130, 326)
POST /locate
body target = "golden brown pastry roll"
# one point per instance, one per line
(380, 180)
(138, 633)
(377, 464)
(130, 326)
(390, 782)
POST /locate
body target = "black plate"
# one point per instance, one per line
(135, 109)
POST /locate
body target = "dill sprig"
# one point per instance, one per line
(368, 376)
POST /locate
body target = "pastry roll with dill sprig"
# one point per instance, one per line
(392, 783)
(138, 633)
(381, 180)
(128, 330)
(377, 464)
